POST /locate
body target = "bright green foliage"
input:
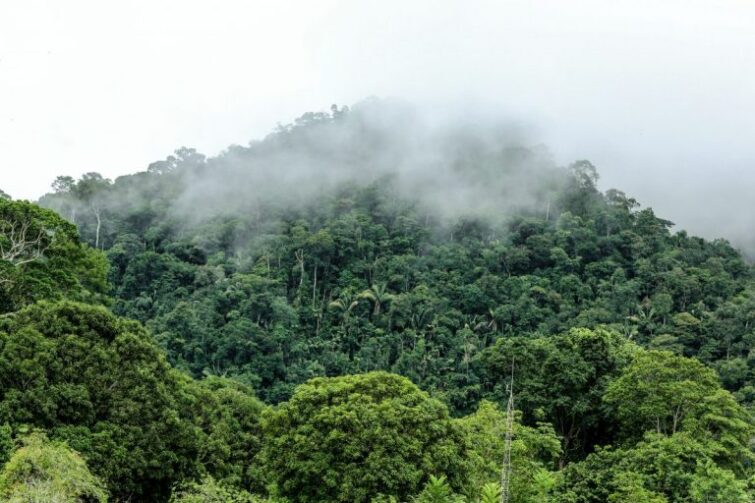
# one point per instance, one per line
(675, 467)
(41, 471)
(658, 390)
(534, 453)
(725, 422)
(714, 485)
(490, 493)
(41, 258)
(630, 488)
(666, 393)
(209, 491)
(437, 490)
(99, 383)
(347, 439)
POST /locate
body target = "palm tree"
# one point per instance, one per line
(378, 295)
(345, 303)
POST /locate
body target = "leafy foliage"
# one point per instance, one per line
(41, 258)
(350, 438)
(44, 471)
(99, 383)
(533, 457)
(305, 268)
(209, 491)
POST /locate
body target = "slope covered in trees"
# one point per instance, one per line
(372, 279)
(361, 270)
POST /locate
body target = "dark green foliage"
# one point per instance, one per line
(562, 379)
(228, 414)
(41, 258)
(100, 383)
(306, 256)
(6, 443)
(363, 278)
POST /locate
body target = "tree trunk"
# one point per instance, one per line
(314, 288)
(99, 225)
(299, 254)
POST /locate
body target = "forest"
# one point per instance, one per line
(346, 310)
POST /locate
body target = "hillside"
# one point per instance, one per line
(320, 267)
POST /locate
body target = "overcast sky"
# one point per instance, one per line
(659, 94)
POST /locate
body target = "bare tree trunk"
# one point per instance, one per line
(99, 225)
(299, 254)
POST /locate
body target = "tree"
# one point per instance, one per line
(41, 258)
(535, 452)
(711, 484)
(378, 295)
(92, 190)
(63, 184)
(6, 443)
(99, 383)
(561, 380)
(347, 439)
(658, 390)
(676, 468)
(630, 488)
(209, 491)
(437, 490)
(228, 413)
(43, 471)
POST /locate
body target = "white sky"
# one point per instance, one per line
(659, 94)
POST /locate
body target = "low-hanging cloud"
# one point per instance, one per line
(451, 167)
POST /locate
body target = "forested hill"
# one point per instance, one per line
(363, 240)
(331, 314)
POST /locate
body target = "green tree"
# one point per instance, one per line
(630, 488)
(6, 443)
(41, 258)
(99, 383)
(210, 491)
(658, 391)
(228, 414)
(347, 439)
(561, 379)
(534, 453)
(41, 471)
(437, 490)
(711, 484)
(678, 468)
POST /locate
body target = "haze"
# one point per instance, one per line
(660, 96)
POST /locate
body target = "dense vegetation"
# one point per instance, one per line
(332, 314)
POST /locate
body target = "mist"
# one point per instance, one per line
(657, 95)
(450, 167)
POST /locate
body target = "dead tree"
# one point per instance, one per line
(20, 245)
